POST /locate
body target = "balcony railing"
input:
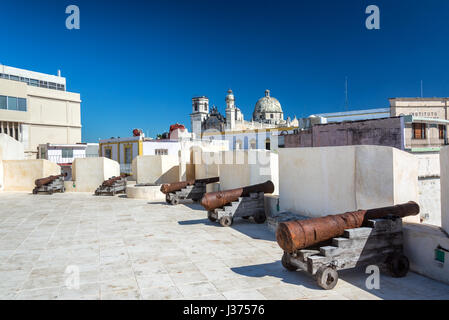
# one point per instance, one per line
(125, 168)
(61, 159)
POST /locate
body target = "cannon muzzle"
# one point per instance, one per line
(213, 200)
(295, 235)
(173, 187)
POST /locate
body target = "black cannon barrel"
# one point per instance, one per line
(173, 187)
(213, 200)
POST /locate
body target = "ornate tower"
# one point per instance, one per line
(230, 110)
(200, 110)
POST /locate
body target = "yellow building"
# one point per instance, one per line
(35, 108)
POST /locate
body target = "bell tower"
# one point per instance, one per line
(200, 110)
(230, 110)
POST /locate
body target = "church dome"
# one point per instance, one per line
(267, 104)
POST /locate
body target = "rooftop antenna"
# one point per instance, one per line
(346, 94)
(422, 89)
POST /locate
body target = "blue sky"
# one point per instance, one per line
(138, 63)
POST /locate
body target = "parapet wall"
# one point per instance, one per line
(19, 175)
(156, 169)
(444, 172)
(89, 173)
(10, 148)
(317, 182)
(242, 168)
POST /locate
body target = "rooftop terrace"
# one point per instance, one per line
(131, 249)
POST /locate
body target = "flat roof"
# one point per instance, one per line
(354, 112)
(419, 99)
(32, 74)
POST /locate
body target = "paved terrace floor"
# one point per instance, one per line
(131, 249)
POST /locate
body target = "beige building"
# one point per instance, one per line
(426, 128)
(35, 108)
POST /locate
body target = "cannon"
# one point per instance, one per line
(295, 235)
(322, 246)
(50, 184)
(190, 189)
(244, 202)
(112, 186)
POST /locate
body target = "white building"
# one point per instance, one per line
(124, 150)
(36, 108)
(65, 154)
(262, 132)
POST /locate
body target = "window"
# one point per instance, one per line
(442, 131)
(419, 130)
(34, 82)
(52, 85)
(3, 103)
(128, 150)
(16, 78)
(26, 80)
(12, 103)
(108, 152)
(267, 144)
(22, 104)
(161, 152)
(67, 153)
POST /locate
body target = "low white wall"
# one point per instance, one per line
(206, 165)
(242, 168)
(444, 168)
(317, 182)
(156, 169)
(19, 175)
(429, 187)
(151, 193)
(420, 243)
(89, 173)
(1, 175)
(10, 148)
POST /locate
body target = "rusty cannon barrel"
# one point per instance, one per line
(213, 200)
(173, 187)
(300, 234)
(43, 181)
(111, 181)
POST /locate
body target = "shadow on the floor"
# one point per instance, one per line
(275, 269)
(196, 221)
(247, 227)
(410, 287)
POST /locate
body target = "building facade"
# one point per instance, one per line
(124, 150)
(382, 132)
(36, 108)
(262, 132)
(65, 154)
(426, 128)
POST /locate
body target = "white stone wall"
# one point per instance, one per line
(420, 242)
(156, 169)
(321, 181)
(10, 148)
(429, 187)
(444, 165)
(89, 173)
(248, 167)
(19, 175)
